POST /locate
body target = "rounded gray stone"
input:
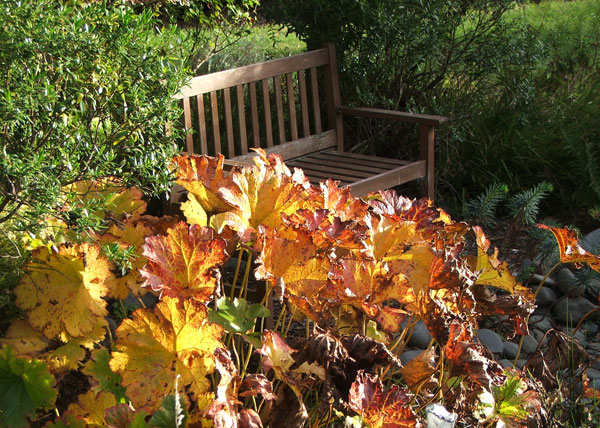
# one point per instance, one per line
(593, 373)
(529, 345)
(504, 363)
(409, 355)
(567, 283)
(510, 350)
(590, 327)
(491, 340)
(420, 337)
(540, 322)
(521, 363)
(536, 279)
(546, 297)
(591, 242)
(149, 300)
(571, 310)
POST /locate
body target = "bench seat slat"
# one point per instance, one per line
(314, 159)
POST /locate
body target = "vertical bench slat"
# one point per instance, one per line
(202, 124)
(303, 103)
(267, 107)
(314, 87)
(187, 115)
(228, 122)
(291, 105)
(254, 113)
(242, 119)
(279, 105)
(214, 109)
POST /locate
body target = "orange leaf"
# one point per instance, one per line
(341, 203)
(262, 194)
(380, 408)
(419, 372)
(63, 292)
(570, 250)
(204, 178)
(155, 346)
(91, 406)
(184, 262)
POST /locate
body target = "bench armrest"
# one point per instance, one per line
(423, 119)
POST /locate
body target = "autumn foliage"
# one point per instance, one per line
(357, 273)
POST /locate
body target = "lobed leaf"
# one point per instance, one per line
(184, 263)
(155, 346)
(25, 386)
(63, 291)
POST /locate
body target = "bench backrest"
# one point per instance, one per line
(286, 105)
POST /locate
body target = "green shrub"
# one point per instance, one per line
(85, 93)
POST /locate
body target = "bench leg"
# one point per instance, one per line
(428, 154)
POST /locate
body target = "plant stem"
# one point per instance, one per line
(537, 290)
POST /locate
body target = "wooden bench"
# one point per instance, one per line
(295, 111)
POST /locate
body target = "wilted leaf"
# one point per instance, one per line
(489, 269)
(570, 250)
(184, 263)
(419, 373)
(24, 387)
(155, 346)
(254, 384)
(62, 292)
(91, 407)
(67, 421)
(380, 408)
(470, 358)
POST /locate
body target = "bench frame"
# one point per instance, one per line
(317, 149)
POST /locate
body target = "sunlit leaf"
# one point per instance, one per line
(25, 386)
(340, 202)
(62, 292)
(262, 194)
(570, 250)
(204, 178)
(419, 373)
(132, 234)
(184, 263)
(381, 408)
(155, 346)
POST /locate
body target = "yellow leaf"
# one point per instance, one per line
(62, 292)
(155, 346)
(91, 406)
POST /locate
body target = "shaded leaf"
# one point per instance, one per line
(25, 386)
(171, 414)
(238, 316)
(123, 416)
(91, 407)
(107, 380)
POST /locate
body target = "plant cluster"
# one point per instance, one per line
(357, 273)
